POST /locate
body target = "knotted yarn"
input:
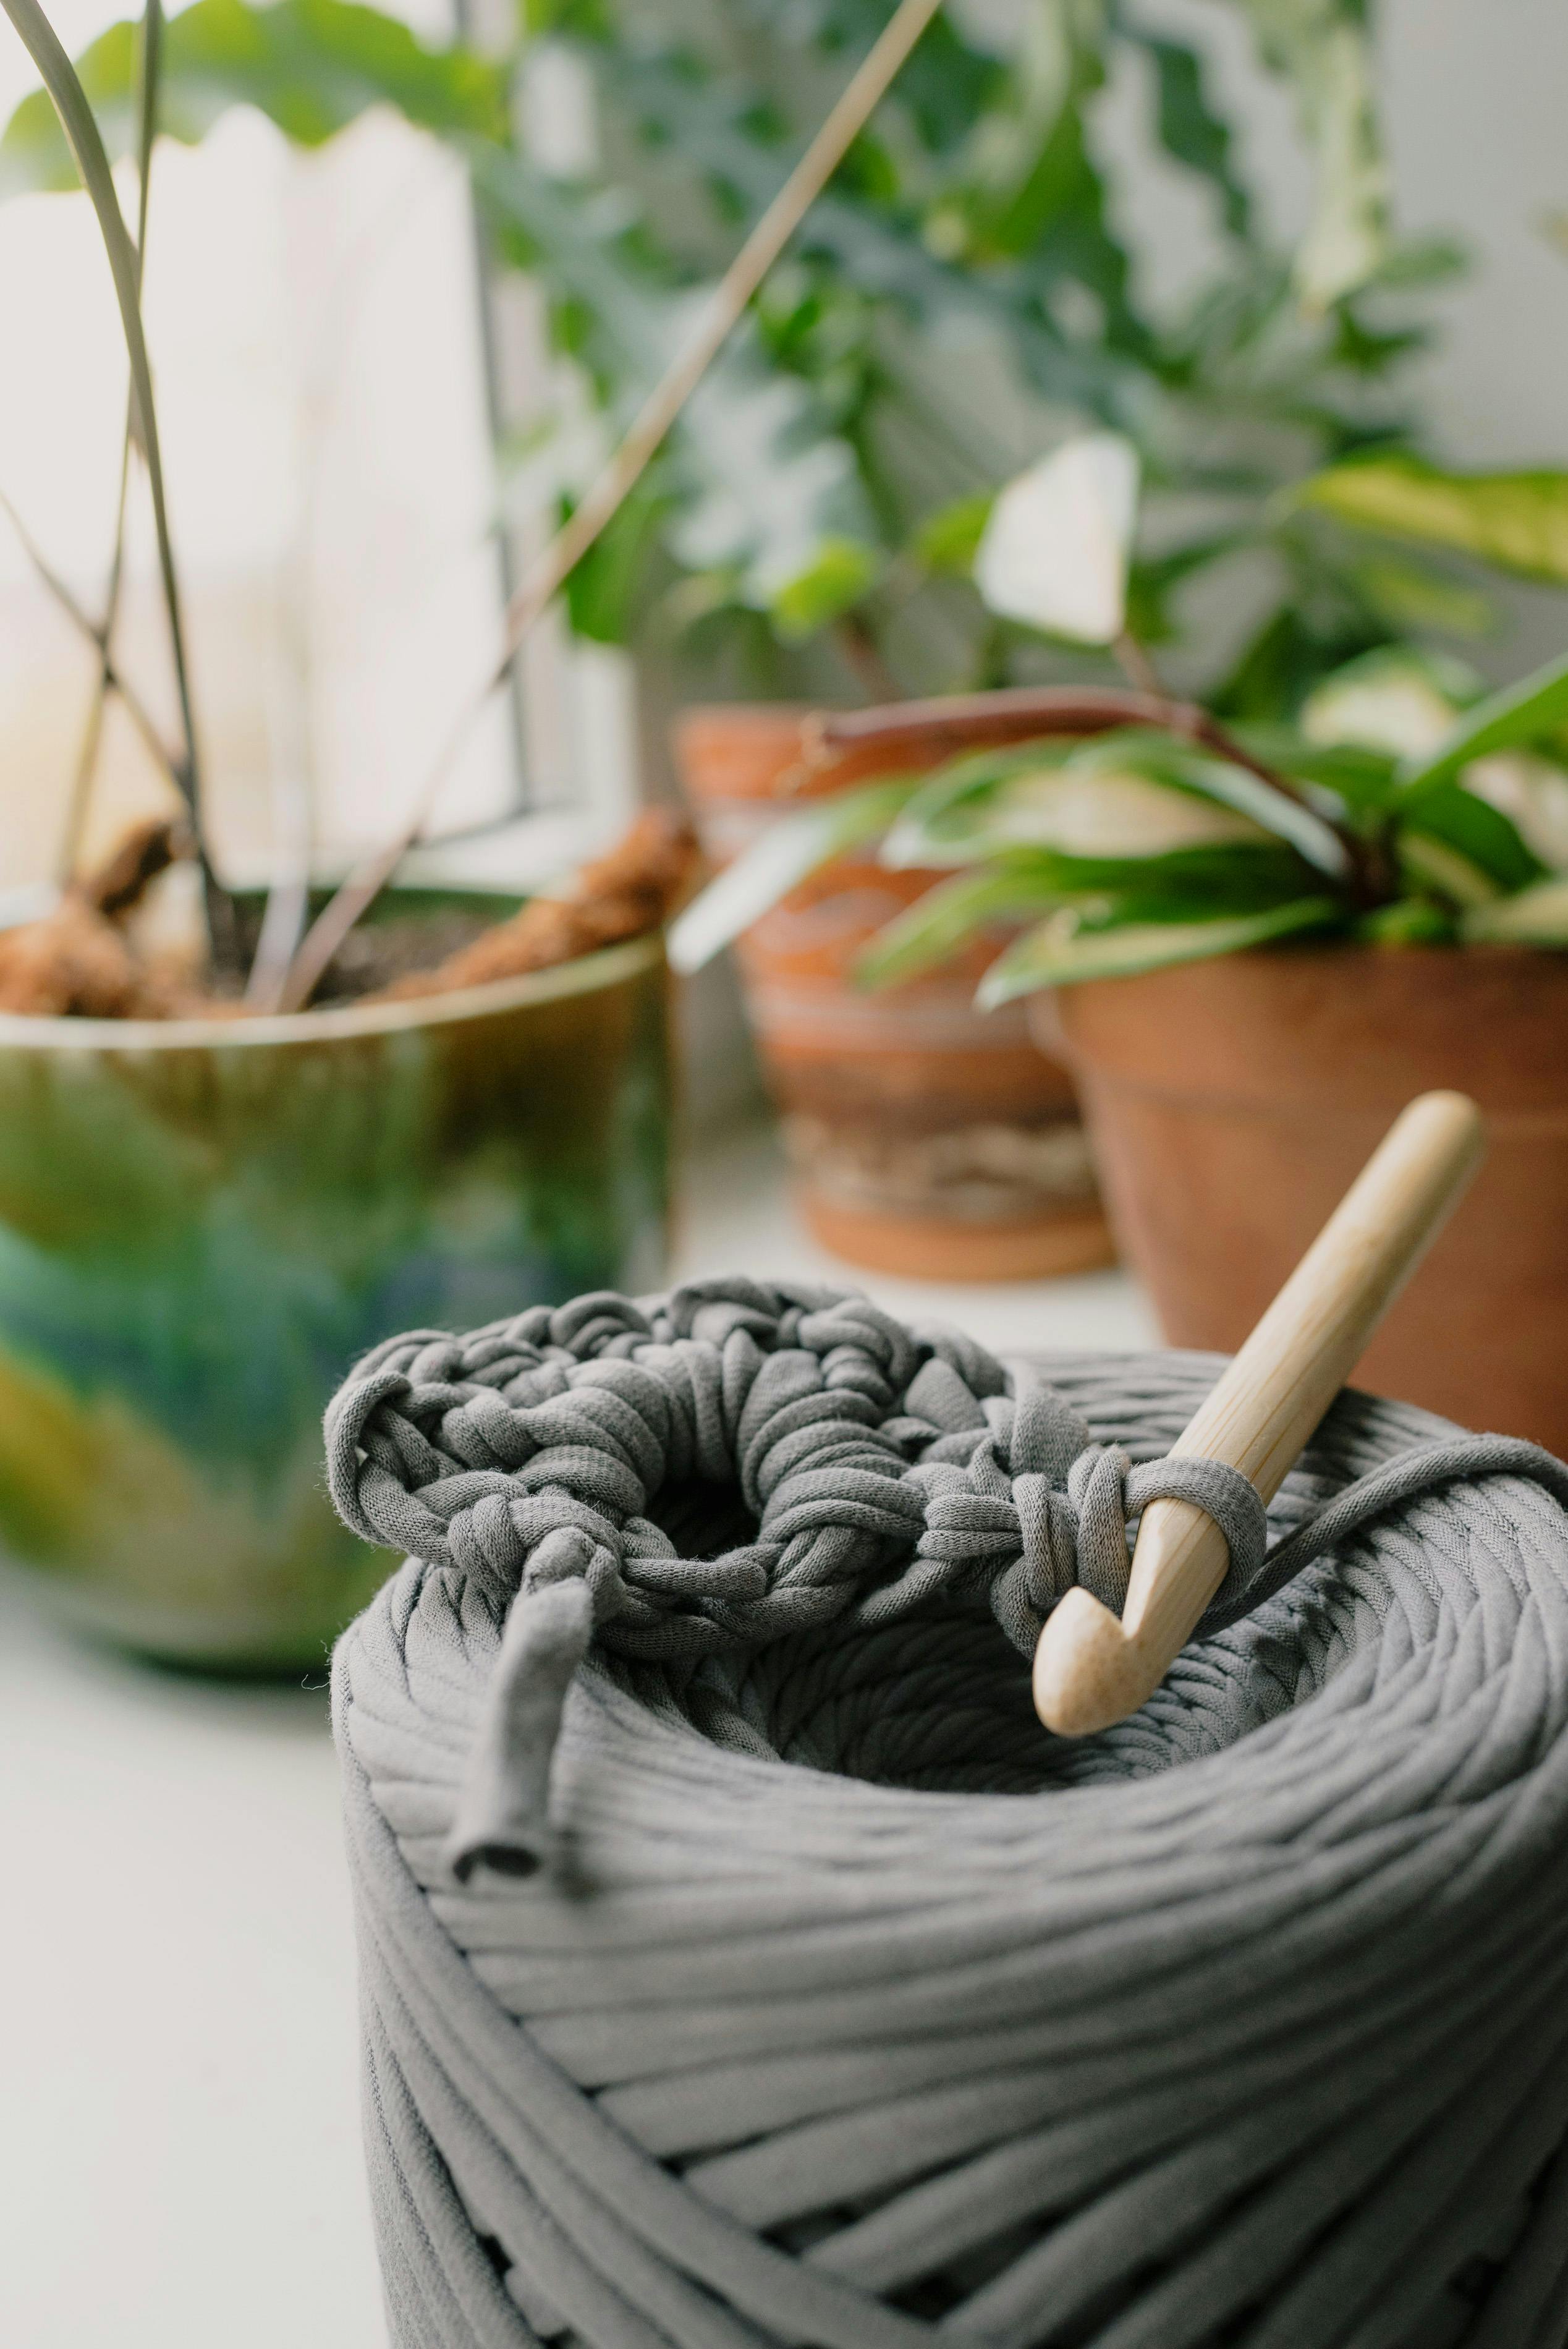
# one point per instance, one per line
(845, 2006)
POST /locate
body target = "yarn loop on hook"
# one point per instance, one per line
(883, 1467)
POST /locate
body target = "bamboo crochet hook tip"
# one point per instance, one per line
(1093, 1668)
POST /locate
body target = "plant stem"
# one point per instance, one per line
(641, 441)
(862, 655)
(134, 707)
(1136, 665)
(148, 40)
(85, 142)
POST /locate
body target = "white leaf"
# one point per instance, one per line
(778, 861)
(1385, 701)
(1053, 551)
(1532, 793)
(1537, 916)
(1111, 811)
(1348, 238)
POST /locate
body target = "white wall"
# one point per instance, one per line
(1476, 93)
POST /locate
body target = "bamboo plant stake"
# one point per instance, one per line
(1091, 1668)
(862, 94)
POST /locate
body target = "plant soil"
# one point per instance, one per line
(78, 960)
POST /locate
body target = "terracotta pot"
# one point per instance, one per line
(927, 1138)
(204, 1222)
(1232, 1102)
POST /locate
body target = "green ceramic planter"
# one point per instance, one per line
(202, 1223)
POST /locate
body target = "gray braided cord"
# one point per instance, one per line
(855, 2010)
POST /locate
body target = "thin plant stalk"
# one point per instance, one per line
(1136, 667)
(135, 709)
(857, 648)
(649, 429)
(149, 41)
(85, 142)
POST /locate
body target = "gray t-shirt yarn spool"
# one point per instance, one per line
(743, 1964)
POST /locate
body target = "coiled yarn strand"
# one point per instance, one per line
(845, 2007)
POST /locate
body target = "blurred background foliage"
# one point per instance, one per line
(962, 299)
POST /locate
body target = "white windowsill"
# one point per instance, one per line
(735, 1215)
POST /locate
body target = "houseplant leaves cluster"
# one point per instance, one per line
(1405, 807)
(826, 489)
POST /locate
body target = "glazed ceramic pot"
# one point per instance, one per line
(202, 1224)
(1232, 1102)
(926, 1137)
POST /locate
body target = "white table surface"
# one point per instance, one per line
(179, 2166)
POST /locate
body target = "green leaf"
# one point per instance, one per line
(1152, 580)
(1094, 811)
(1164, 759)
(1027, 190)
(1535, 917)
(1526, 712)
(1516, 520)
(787, 854)
(1396, 699)
(602, 591)
(948, 540)
(1470, 828)
(1408, 595)
(312, 67)
(761, 492)
(1531, 787)
(772, 494)
(1445, 871)
(1423, 261)
(949, 81)
(1131, 795)
(839, 573)
(1291, 652)
(948, 916)
(1323, 47)
(668, 95)
(1362, 779)
(1408, 922)
(1065, 950)
(1192, 130)
(948, 820)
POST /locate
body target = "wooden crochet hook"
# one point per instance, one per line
(1093, 1668)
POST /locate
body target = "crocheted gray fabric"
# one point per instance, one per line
(852, 2009)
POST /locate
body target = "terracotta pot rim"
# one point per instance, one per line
(1292, 950)
(585, 975)
(708, 710)
(1338, 1030)
(1052, 1032)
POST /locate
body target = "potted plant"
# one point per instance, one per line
(211, 1204)
(927, 1136)
(1252, 942)
(957, 303)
